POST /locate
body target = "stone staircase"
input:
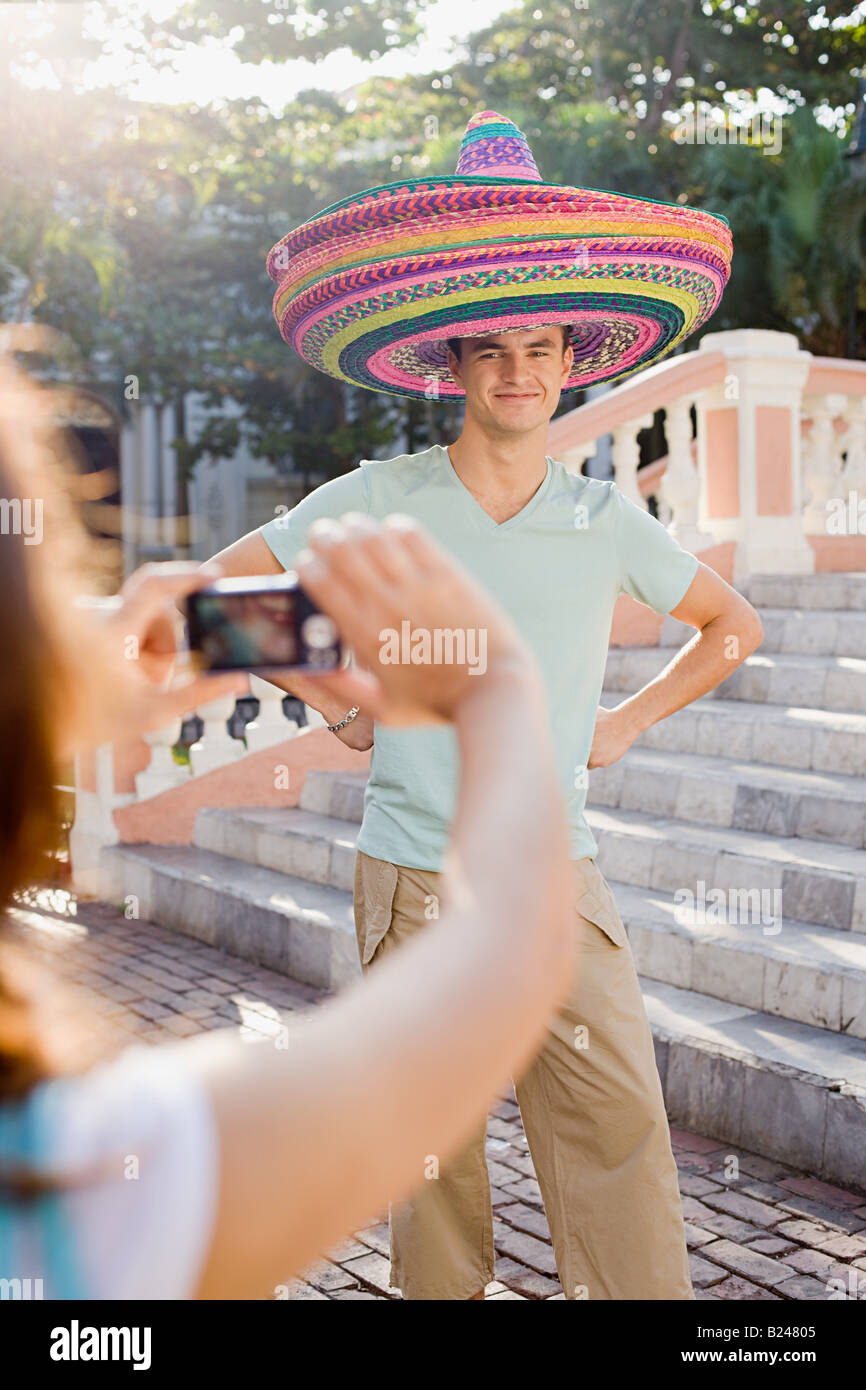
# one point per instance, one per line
(758, 790)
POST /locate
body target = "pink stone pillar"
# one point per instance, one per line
(749, 452)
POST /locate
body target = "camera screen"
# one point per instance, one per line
(247, 630)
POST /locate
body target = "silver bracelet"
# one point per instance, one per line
(343, 722)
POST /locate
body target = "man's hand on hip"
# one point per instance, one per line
(615, 732)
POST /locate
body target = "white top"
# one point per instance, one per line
(140, 1132)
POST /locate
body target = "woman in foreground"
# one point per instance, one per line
(252, 1160)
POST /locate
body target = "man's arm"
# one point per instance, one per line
(729, 631)
(252, 555)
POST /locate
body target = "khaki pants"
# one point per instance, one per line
(592, 1108)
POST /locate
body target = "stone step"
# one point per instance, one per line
(810, 740)
(731, 792)
(816, 740)
(822, 883)
(782, 1089)
(807, 880)
(807, 974)
(818, 881)
(811, 881)
(823, 590)
(755, 957)
(808, 631)
(761, 797)
(778, 678)
(302, 929)
(814, 881)
(338, 794)
(294, 841)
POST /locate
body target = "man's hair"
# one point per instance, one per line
(454, 343)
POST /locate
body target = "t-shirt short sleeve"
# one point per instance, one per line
(287, 533)
(135, 1142)
(653, 566)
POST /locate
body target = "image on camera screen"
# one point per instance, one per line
(247, 630)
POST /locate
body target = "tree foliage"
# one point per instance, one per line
(141, 231)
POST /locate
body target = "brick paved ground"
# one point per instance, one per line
(757, 1229)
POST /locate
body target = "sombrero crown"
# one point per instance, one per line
(369, 290)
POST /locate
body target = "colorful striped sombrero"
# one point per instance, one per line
(369, 290)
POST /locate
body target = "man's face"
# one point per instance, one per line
(513, 381)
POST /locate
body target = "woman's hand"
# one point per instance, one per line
(371, 578)
(127, 651)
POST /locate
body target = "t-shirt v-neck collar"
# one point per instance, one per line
(483, 517)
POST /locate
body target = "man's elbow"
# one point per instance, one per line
(247, 557)
(751, 631)
(361, 744)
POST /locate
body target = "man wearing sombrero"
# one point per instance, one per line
(496, 287)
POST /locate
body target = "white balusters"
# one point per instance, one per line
(679, 488)
(93, 827)
(575, 458)
(854, 444)
(626, 457)
(679, 485)
(822, 465)
(162, 771)
(216, 746)
(270, 725)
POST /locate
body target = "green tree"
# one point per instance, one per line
(142, 231)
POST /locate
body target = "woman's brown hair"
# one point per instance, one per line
(36, 573)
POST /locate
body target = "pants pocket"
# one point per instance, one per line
(375, 885)
(596, 903)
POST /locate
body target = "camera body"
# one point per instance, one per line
(264, 623)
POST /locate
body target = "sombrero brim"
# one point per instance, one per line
(368, 290)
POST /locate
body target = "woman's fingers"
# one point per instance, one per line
(367, 577)
(148, 610)
(333, 586)
(164, 705)
(416, 543)
(148, 592)
(374, 579)
(382, 545)
(371, 578)
(367, 558)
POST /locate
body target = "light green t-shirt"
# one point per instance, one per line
(556, 568)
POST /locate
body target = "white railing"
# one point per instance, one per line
(217, 746)
(834, 457)
(96, 797)
(778, 453)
